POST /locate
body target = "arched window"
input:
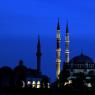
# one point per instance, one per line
(38, 84)
(33, 84)
(29, 84)
(48, 85)
(23, 84)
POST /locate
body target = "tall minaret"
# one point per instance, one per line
(67, 45)
(58, 50)
(38, 54)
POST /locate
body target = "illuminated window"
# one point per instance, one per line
(89, 85)
(38, 84)
(23, 84)
(33, 84)
(67, 83)
(48, 85)
(29, 83)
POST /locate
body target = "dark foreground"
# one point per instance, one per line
(29, 91)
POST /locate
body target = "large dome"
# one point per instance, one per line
(81, 59)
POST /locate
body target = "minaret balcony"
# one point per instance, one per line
(67, 52)
(67, 38)
(67, 41)
(58, 50)
(58, 61)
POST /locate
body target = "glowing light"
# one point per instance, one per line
(23, 84)
(29, 83)
(89, 85)
(58, 50)
(38, 84)
(69, 82)
(33, 84)
(58, 60)
(48, 85)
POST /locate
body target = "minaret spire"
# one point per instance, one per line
(58, 50)
(67, 30)
(58, 26)
(38, 54)
(67, 45)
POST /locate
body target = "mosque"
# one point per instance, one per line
(77, 72)
(24, 77)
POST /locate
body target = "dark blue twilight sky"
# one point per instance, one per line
(22, 20)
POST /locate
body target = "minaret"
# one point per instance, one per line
(38, 54)
(67, 45)
(58, 50)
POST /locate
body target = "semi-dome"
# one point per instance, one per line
(81, 59)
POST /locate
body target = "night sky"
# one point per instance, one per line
(22, 20)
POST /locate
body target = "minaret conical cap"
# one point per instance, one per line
(67, 31)
(58, 26)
